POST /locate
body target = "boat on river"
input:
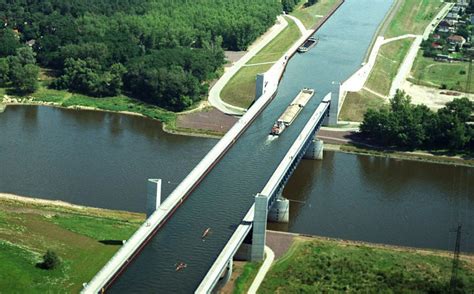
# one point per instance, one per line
(308, 44)
(292, 111)
(206, 232)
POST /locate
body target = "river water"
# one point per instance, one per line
(103, 159)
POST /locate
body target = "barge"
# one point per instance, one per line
(292, 111)
(308, 44)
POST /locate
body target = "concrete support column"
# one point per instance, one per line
(153, 197)
(260, 85)
(280, 210)
(334, 109)
(315, 150)
(259, 228)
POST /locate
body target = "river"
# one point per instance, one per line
(103, 159)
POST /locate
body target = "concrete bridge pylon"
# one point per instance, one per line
(153, 196)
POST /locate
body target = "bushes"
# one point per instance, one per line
(410, 126)
(50, 261)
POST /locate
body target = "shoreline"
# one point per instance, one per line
(400, 155)
(59, 204)
(71, 206)
(344, 148)
(344, 242)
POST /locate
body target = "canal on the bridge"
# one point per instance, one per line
(103, 160)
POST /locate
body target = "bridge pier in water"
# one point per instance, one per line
(315, 150)
(153, 196)
(279, 212)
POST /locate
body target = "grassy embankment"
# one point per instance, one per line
(309, 16)
(318, 265)
(28, 229)
(116, 104)
(438, 157)
(240, 90)
(451, 76)
(246, 277)
(412, 17)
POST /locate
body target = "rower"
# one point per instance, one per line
(206, 232)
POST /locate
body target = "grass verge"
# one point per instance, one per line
(279, 45)
(387, 64)
(310, 15)
(249, 272)
(452, 76)
(27, 230)
(240, 90)
(413, 17)
(356, 105)
(329, 266)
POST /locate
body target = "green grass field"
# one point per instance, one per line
(243, 282)
(356, 105)
(119, 103)
(320, 266)
(431, 73)
(386, 65)
(240, 90)
(310, 16)
(413, 17)
(278, 46)
(28, 230)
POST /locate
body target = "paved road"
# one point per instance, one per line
(270, 256)
(214, 94)
(409, 60)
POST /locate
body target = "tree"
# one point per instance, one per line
(4, 71)
(9, 42)
(415, 126)
(50, 260)
(24, 72)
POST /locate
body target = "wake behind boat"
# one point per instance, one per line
(292, 111)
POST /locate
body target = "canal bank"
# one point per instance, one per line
(317, 263)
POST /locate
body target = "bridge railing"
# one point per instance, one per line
(145, 232)
(296, 152)
(280, 174)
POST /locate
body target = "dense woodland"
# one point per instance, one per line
(409, 126)
(159, 51)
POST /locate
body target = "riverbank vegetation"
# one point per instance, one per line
(318, 265)
(162, 53)
(84, 239)
(409, 127)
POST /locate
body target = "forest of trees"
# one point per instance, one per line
(409, 126)
(159, 51)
